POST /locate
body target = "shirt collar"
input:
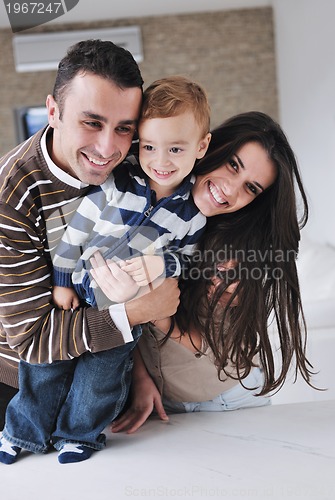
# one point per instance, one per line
(55, 170)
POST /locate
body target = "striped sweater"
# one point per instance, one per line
(122, 220)
(34, 209)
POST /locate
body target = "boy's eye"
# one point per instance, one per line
(175, 150)
(147, 147)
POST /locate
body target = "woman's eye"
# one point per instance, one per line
(252, 189)
(234, 165)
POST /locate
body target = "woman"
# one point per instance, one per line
(248, 252)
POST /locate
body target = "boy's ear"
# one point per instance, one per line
(203, 145)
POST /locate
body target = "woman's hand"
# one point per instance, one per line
(116, 284)
(144, 398)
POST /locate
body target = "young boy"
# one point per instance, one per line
(142, 218)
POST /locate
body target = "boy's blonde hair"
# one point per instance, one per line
(174, 95)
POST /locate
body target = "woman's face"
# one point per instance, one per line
(225, 297)
(235, 184)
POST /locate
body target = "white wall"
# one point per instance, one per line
(305, 43)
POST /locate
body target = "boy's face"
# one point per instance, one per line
(95, 131)
(169, 148)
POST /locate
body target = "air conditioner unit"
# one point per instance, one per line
(43, 51)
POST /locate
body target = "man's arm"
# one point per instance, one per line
(31, 325)
(160, 303)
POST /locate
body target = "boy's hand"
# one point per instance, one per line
(144, 269)
(65, 298)
(116, 284)
(149, 305)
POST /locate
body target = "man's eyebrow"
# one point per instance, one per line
(128, 122)
(95, 116)
(242, 166)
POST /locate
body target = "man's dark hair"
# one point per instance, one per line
(101, 58)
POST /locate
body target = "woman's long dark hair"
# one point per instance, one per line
(263, 240)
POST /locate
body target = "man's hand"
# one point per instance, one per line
(116, 284)
(160, 303)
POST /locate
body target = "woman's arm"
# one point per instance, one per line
(144, 398)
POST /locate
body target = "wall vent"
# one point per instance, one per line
(43, 51)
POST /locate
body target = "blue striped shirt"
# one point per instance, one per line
(121, 219)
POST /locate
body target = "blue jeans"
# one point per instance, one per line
(236, 398)
(69, 401)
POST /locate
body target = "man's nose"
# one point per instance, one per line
(107, 144)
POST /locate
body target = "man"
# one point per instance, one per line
(92, 114)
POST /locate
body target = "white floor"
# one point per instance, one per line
(277, 452)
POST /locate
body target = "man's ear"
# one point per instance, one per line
(53, 111)
(203, 145)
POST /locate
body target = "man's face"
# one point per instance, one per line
(97, 125)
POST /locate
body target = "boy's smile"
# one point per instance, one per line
(169, 148)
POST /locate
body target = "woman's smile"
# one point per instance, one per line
(217, 194)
